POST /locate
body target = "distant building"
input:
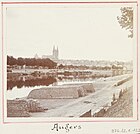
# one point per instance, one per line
(36, 56)
(54, 56)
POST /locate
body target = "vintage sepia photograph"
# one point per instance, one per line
(70, 60)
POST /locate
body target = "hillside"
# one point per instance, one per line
(123, 107)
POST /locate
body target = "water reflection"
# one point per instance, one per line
(27, 83)
(30, 82)
(21, 81)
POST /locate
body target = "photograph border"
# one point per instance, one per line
(3, 67)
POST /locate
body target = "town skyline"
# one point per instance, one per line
(79, 33)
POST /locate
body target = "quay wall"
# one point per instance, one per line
(62, 92)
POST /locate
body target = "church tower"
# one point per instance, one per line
(55, 52)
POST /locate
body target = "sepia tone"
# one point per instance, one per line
(69, 90)
(50, 86)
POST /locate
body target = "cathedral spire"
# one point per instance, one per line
(55, 52)
(53, 47)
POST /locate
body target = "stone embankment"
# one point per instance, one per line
(123, 81)
(22, 108)
(89, 87)
(69, 91)
(123, 107)
(120, 107)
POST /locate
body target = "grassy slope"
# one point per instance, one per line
(123, 107)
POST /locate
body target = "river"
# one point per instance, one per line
(21, 89)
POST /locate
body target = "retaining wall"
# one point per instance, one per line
(21, 108)
(61, 92)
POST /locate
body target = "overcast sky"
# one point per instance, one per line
(80, 33)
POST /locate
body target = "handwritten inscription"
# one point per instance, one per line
(66, 127)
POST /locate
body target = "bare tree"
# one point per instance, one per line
(126, 20)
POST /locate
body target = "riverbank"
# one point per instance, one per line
(96, 102)
(22, 108)
(123, 107)
(92, 103)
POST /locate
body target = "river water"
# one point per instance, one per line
(21, 89)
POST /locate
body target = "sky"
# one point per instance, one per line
(91, 33)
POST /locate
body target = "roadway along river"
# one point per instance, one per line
(95, 101)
